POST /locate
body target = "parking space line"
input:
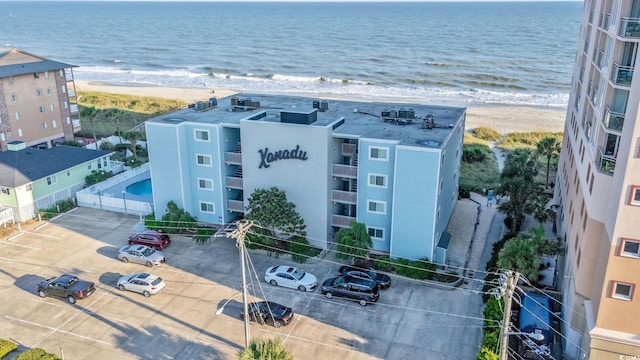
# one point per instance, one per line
(20, 245)
(43, 235)
(57, 330)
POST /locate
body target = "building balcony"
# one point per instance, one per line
(613, 120)
(586, 47)
(344, 197)
(599, 59)
(622, 75)
(73, 108)
(234, 182)
(342, 221)
(76, 124)
(630, 28)
(344, 171)
(233, 158)
(235, 206)
(605, 21)
(349, 149)
(606, 162)
(71, 92)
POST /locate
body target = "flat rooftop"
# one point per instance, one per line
(410, 124)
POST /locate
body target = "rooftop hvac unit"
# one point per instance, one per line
(324, 105)
(411, 114)
(316, 104)
(253, 104)
(402, 113)
(213, 101)
(234, 101)
(199, 105)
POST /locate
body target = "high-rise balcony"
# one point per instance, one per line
(341, 221)
(233, 158)
(606, 163)
(73, 108)
(605, 21)
(622, 75)
(345, 171)
(599, 59)
(630, 28)
(349, 149)
(235, 205)
(234, 182)
(344, 197)
(586, 47)
(613, 120)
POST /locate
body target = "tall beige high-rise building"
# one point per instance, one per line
(37, 100)
(598, 187)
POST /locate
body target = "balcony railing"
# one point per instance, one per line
(76, 124)
(346, 171)
(344, 197)
(71, 92)
(341, 221)
(73, 108)
(599, 59)
(235, 205)
(613, 120)
(606, 163)
(605, 21)
(593, 92)
(233, 158)
(622, 75)
(586, 46)
(591, 16)
(348, 149)
(234, 182)
(630, 28)
(581, 75)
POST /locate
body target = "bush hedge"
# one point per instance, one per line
(59, 208)
(7, 347)
(36, 354)
(485, 133)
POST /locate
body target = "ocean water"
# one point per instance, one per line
(519, 53)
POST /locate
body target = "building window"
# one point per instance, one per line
(99, 164)
(66, 105)
(46, 74)
(634, 198)
(44, 124)
(68, 172)
(10, 80)
(38, 92)
(17, 115)
(202, 135)
(41, 108)
(49, 91)
(36, 75)
(5, 190)
(207, 207)
(61, 73)
(630, 248)
(64, 89)
(68, 120)
(205, 184)
(51, 180)
(29, 187)
(19, 132)
(378, 153)
(378, 207)
(54, 124)
(89, 166)
(14, 97)
(376, 233)
(203, 160)
(3, 137)
(104, 162)
(622, 291)
(377, 180)
(51, 107)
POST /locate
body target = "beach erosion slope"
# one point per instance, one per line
(502, 118)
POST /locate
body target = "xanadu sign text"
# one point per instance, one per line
(267, 157)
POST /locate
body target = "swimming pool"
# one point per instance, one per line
(140, 188)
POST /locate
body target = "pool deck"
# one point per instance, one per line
(116, 191)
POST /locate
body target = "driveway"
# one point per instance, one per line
(410, 321)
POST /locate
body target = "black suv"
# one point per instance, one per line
(383, 280)
(363, 290)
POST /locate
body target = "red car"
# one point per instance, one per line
(151, 238)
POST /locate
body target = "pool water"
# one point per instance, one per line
(140, 188)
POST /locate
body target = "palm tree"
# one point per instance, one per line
(517, 184)
(548, 147)
(265, 349)
(354, 241)
(133, 137)
(539, 208)
(520, 254)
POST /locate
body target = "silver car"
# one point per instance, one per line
(144, 283)
(141, 254)
(291, 277)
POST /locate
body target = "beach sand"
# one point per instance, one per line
(502, 118)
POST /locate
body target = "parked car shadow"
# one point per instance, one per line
(28, 282)
(229, 307)
(109, 278)
(109, 251)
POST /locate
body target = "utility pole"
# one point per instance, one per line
(509, 288)
(238, 234)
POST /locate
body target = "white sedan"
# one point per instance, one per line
(144, 283)
(291, 277)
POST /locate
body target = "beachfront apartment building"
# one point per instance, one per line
(37, 100)
(598, 187)
(393, 167)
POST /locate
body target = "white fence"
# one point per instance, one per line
(6, 215)
(92, 196)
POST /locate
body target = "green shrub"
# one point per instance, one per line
(421, 269)
(59, 208)
(36, 354)
(6, 347)
(97, 176)
(384, 265)
(474, 152)
(301, 250)
(486, 354)
(528, 140)
(485, 133)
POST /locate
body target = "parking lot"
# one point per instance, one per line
(410, 321)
